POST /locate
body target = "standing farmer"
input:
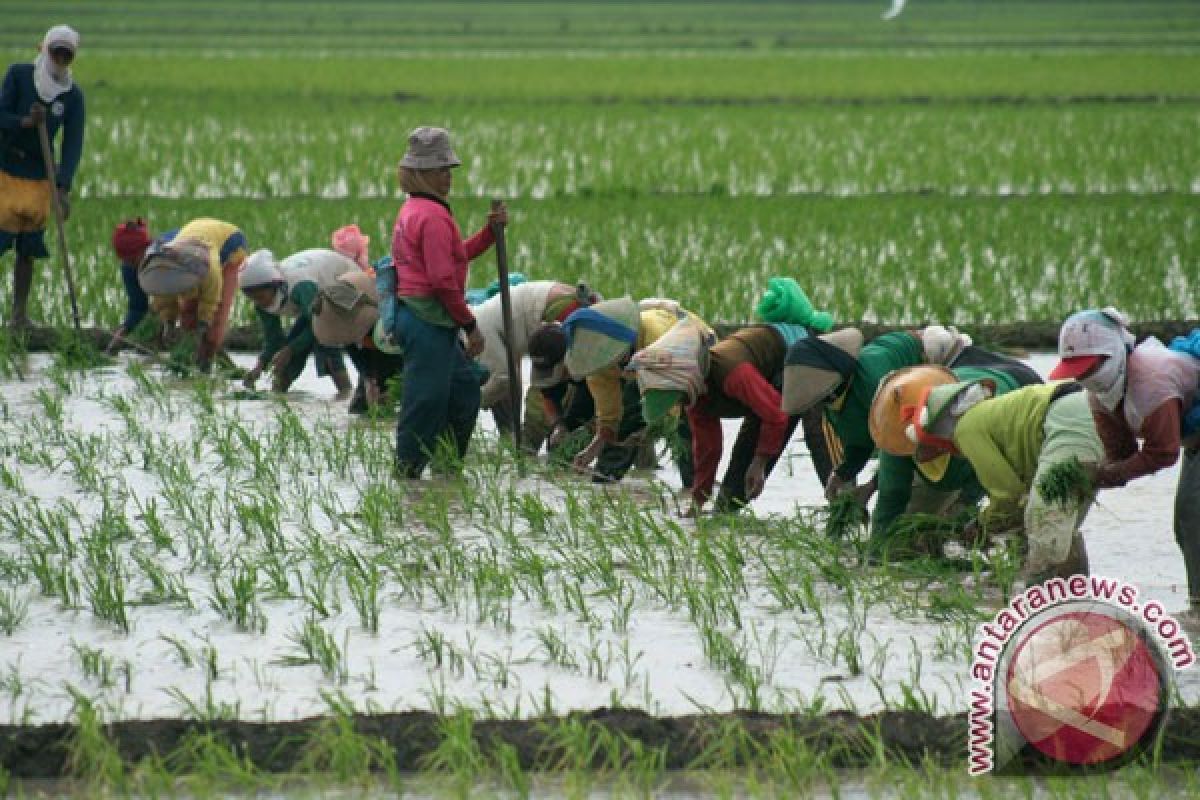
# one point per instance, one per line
(33, 94)
(441, 386)
(1147, 393)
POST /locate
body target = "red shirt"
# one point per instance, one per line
(431, 256)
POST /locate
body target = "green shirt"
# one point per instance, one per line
(300, 337)
(896, 473)
(881, 355)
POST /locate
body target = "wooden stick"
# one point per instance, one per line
(51, 175)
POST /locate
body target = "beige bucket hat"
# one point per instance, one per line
(346, 309)
(429, 148)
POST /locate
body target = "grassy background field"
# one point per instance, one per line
(974, 162)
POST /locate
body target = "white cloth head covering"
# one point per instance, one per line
(49, 79)
(1100, 333)
(261, 269)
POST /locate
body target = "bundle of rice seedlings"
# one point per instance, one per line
(571, 446)
(1066, 484)
(923, 534)
(75, 351)
(845, 516)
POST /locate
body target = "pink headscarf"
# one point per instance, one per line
(350, 242)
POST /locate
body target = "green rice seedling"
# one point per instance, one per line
(925, 534)
(236, 597)
(105, 583)
(213, 766)
(52, 405)
(12, 355)
(209, 709)
(315, 646)
(458, 753)
(14, 608)
(95, 664)
(363, 581)
(166, 588)
(335, 748)
(182, 651)
(92, 756)
(845, 517)
(433, 646)
(11, 479)
(1066, 484)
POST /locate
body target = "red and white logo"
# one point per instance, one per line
(1084, 687)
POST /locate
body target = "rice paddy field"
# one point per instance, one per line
(184, 568)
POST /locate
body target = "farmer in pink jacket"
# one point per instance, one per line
(441, 385)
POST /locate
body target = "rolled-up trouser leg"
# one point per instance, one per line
(1051, 531)
(1187, 520)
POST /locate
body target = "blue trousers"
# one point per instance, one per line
(440, 396)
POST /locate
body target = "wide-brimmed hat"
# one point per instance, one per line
(346, 309)
(260, 269)
(896, 402)
(175, 268)
(429, 148)
(600, 336)
(817, 365)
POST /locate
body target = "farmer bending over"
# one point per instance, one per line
(289, 288)
(1147, 393)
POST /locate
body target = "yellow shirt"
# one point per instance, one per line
(215, 234)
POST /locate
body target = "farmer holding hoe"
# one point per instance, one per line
(34, 95)
(441, 385)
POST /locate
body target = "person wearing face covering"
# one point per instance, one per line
(1145, 394)
(31, 94)
(289, 288)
